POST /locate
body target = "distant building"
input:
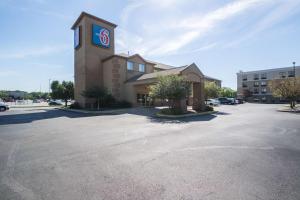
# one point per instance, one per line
(253, 85)
(16, 94)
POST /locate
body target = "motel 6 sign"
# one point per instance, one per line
(101, 36)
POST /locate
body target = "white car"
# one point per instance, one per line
(3, 106)
(212, 102)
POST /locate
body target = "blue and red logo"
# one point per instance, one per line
(101, 36)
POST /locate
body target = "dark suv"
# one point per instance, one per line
(224, 100)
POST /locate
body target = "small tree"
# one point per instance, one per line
(227, 92)
(171, 87)
(211, 90)
(97, 93)
(64, 91)
(288, 89)
(3, 94)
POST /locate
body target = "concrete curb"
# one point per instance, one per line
(103, 112)
(159, 115)
(288, 110)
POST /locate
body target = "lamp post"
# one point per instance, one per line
(49, 86)
(294, 63)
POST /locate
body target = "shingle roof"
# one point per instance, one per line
(209, 77)
(173, 71)
(163, 66)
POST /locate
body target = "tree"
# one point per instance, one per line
(171, 87)
(64, 91)
(227, 92)
(288, 89)
(211, 90)
(97, 93)
(3, 94)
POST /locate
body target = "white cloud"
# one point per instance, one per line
(33, 52)
(158, 29)
(279, 13)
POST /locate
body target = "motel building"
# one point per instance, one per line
(127, 78)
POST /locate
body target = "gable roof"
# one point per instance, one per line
(83, 14)
(125, 56)
(211, 78)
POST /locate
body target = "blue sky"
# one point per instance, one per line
(220, 36)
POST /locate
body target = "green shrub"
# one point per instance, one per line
(75, 106)
(122, 104)
(171, 111)
(209, 108)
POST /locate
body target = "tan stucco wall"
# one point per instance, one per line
(87, 59)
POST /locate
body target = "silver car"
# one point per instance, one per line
(3, 107)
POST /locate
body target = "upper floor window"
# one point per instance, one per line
(256, 84)
(256, 76)
(282, 74)
(245, 85)
(291, 74)
(244, 77)
(263, 90)
(129, 65)
(263, 83)
(263, 76)
(255, 91)
(141, 68)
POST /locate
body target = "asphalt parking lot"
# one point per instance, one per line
(247, 151)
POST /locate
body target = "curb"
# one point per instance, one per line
(159, 115)
(290, 111)
(103, 112)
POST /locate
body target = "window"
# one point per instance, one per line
(141, 68)
(255, 91)
(256, 76)
(245, 85)
(263, 90)
(256, 84)
(264, 99)
(129, 65)
(282, 74)
(291, 74)
(244, 77)
(263, 76)
(263, 83)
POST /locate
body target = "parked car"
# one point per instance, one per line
(212, 102)
(3, 107)
(55, 103)
(224, 100)
(239, 101)
(36, 101)
(232, 101)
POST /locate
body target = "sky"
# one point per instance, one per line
(221, 36)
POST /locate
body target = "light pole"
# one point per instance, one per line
(294, 63)
(49, 86)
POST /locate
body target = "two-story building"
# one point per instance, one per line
(126, 77)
